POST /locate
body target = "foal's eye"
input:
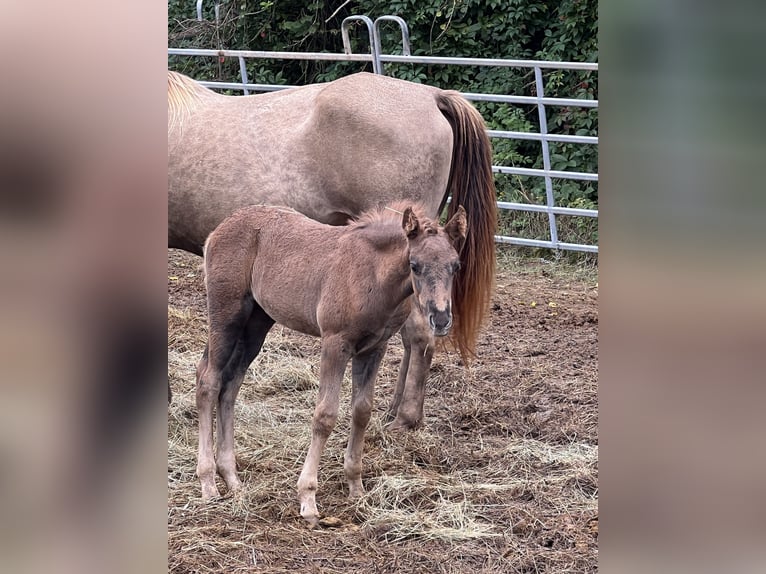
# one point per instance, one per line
(456, 266)
(416, 268)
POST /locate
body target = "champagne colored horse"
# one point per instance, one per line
(333, 151)
(353, 286)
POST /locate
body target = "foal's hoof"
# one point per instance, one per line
(313, 521)
(402, 424)
(310, 513)
(356, 491)
(209, 494)
(233, 485)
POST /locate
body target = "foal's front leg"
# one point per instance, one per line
(364, 371)
(407, 405)
(333, 363)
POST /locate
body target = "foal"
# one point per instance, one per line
(352, 286)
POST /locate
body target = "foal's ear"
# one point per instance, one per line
(410, 223)
(457, 227)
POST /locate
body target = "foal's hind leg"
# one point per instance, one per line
(223, 353)
(255, 331)
(407, 405)
(364, 371)
(208, 386)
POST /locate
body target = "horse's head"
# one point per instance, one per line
(433, 252)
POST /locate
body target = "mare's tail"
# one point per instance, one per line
(471, 184)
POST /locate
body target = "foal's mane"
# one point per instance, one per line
(393, 213)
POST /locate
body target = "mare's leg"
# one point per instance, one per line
(255, 331)
(364, 371)
(404, 366)
(227, 319)
(407, 405)
(335, 357)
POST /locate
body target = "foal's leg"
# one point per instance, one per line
(227, 319)
(407, 406)
(335, 357)
(258, 325)
(364, 371)
(208, 386)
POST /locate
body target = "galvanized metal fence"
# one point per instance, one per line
(376, 57)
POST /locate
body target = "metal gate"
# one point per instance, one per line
(377, 58)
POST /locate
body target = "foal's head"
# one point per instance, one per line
(433, 252)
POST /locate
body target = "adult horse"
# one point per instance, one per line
(333, 151)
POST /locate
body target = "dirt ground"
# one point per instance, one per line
(503, 476)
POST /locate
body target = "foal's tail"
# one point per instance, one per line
(471, 184)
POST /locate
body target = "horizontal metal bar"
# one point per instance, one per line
(388, 58)
(489, 62)
(545, 209)
(540, 243)
(539, 137)
(272, 55)
(530, 100)
(542, 173)
(242, 87)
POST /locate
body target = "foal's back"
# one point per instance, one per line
(308, 276)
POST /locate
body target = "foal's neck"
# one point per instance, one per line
(392, 258)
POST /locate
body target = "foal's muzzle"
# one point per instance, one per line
(440, 322)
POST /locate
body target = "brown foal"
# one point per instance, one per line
(353, 286)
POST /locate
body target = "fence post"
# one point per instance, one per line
(405, 36)
(199, 10)
(546, 156)
(376, 66)
(243, 74)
